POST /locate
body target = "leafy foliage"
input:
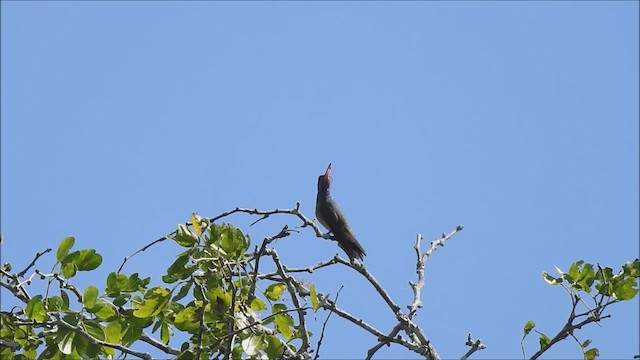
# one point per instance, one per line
(215, 296)
(209, 293)
(595, 288)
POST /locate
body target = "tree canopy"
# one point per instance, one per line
(232, 297)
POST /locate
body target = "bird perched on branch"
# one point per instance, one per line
(329, 215)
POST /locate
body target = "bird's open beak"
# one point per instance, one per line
(326, 174)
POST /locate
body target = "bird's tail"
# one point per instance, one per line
(352, 247)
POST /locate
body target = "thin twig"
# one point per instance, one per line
(258, 254)
(294, 211)
(33, 262)
(93, 340)
(200, 313)
(157, 344)
(265, 213)
(324, 325)
(144, 248)
(384, 341)
(64, 283)
(302, 328)
(569, 327)
(312, 268)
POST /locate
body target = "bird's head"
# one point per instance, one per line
(324, 181)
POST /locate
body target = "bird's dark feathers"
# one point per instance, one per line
(329, 215)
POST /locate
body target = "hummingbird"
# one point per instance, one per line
(329, 215)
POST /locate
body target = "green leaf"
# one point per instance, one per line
(544, 340)
(550, 279)
(220, 299)
(187, 320)
(632, 269)
(63, 249)
(314, 297)
(64, 339)
(157, 325)
(586, 343)
(165, 333)
(197, 293)
(132, 333)
(184, 290)
(257, 305)
(54, 303)
(69, 270)
(185, 237)
(82, 260)
(35, 309)
(89, 297)
(586, 278)
(88, 260)
(65, 300)
(196, 220)
(71, 319)
(253, 344)
(236, 353)
(179, 269)
(120, 300)
(103, 310)
(84, 348)
(186, 355)
(275, 348)
(528, 327)
(625, 289)
(51, 352)
(591, 354)
(284, 322)
(117, 283)
(154, 301)
(96, 330)
(113, 332)
(229, 238)
(274, 291)
(239, 243)
(114, 281)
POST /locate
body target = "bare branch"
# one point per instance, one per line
(265, 214)
(64, 283)
(14, 286)
(384, 341)
(33, 262)
(312, 268)
(372, 280)
(144, 248)
(475, 346)
(157, 344)
(420, 266)
(405, 322)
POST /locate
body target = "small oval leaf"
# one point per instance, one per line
(65, 245)
(90, 296)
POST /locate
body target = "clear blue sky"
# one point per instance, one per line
(518, 120)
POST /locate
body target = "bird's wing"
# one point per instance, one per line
(340, 228)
